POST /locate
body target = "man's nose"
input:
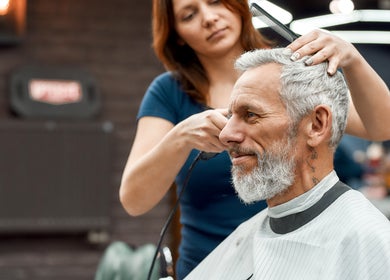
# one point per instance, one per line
(231, 133)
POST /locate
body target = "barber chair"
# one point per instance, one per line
(123, 262)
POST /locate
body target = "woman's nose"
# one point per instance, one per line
(209, 16)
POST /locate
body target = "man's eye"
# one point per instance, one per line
(250, 115)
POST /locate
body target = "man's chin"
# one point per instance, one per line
(242, 170)
(249, 197)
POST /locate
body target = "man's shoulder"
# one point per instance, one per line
(361, 214)
(233, 257)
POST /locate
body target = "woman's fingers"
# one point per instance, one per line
(321, 46)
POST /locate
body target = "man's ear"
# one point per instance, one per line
(319, 125)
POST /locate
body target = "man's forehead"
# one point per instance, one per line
(244, 102)
(257, 83)
(261, 76)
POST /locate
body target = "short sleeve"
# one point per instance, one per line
(162, 98)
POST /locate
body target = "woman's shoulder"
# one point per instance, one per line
(166, 79)
(165, 98)
(165, 86)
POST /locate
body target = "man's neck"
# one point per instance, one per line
(301, 185)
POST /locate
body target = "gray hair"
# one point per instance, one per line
(304, 87)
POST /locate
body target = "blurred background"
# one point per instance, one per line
(62, 155)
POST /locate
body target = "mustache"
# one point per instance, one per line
(237, 150)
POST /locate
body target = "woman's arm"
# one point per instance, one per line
(369, 113)
(158, 153)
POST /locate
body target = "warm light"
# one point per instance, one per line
(341, 6)
(303, 26)
(4, 5)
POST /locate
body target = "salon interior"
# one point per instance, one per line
(72, 74)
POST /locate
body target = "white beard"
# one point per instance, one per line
(273, 175)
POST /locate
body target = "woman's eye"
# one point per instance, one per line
(187, 17)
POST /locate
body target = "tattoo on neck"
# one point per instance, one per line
(313, 157)
(315, 180)
(314, 154)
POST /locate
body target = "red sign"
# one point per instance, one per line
(55, 92)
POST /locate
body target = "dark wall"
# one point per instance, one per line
(111, 40)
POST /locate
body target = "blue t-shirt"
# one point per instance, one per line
(210, 209)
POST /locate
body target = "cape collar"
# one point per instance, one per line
(289, 223)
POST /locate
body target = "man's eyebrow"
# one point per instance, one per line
(246, 107)
(237, 107)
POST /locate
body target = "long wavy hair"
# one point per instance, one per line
(182, 60)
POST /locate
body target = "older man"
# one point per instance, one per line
(285, 122)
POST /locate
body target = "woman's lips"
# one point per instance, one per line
(216, 34)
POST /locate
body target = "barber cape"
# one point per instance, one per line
(329, 232)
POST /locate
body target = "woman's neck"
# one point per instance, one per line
(222, 76)
(221, 67)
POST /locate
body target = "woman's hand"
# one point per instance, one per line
(201, 131)
(322, 46)
(369, 111)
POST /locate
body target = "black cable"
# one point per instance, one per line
(200, 156)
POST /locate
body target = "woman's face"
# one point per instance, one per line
(207, 26)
